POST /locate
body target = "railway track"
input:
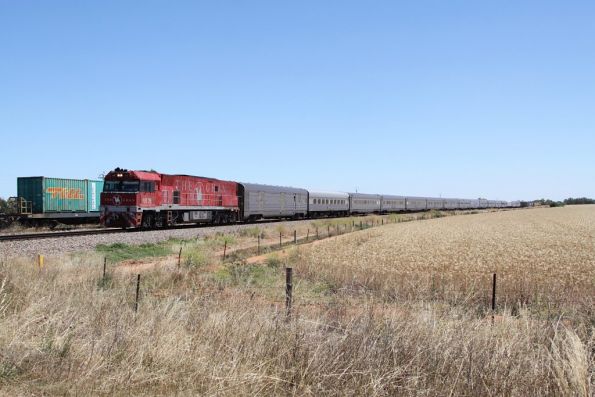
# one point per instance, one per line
(43, 235)
(75, 233)
(87, 232)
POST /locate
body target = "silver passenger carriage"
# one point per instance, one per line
(360, 203)
(393, 203)
(417, 203)
(434, 203)
(494, 203)
(328, 203)
(466, 204)
(452, 204)
(266, 201)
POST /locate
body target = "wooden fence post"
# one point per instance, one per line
(180, 257)
(328, 230)
(258, 247)
(493, 296)
(295, 237)
(137, 293)
(280, 243)
(308, 236)
(104, 269)
(288, 290)
(316, 233)
(225, 250)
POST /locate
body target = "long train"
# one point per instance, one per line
(148, 199)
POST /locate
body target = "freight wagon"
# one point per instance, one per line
(48, 201)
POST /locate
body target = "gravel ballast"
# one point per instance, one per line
(63, 245)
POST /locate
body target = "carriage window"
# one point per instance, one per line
(176, 197)
(216, 188)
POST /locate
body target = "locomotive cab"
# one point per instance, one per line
(126, 196)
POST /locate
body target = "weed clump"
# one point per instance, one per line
(253, 231)
(119, 252)
(195, 257)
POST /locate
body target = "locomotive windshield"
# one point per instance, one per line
(128, 186)
(121, 186)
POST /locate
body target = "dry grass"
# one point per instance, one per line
(397, 310)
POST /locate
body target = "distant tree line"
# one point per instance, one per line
(548, 202)
(568, 201)
(580, 200)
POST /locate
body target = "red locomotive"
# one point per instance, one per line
(150, 199)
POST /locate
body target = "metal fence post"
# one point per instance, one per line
(104, 268)
(280, 243)
(295, 237)
(225, 250)
(258, 247)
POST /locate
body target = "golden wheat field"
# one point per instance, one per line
(538, 255)
(402, 309)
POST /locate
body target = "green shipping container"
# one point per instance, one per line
(51, 195)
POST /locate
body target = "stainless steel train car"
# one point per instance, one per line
(328, 203)
(266, 201)
(393, 203)
(434, 203)
(360, 203)
(451, 204)
(417, 203)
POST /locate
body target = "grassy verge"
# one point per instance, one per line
(119, 252)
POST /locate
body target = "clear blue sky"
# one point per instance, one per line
(451, 98)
